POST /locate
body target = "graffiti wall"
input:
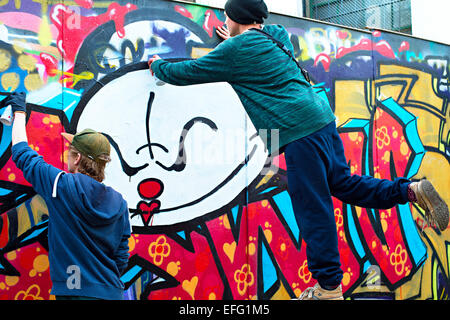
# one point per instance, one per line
(210, 211)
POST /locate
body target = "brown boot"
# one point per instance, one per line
(318, 293)
(436, 210)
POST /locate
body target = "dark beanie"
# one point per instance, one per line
(246, 11)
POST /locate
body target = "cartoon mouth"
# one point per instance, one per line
(148, 209)
(149, 189)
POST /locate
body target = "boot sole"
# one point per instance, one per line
(437, 207)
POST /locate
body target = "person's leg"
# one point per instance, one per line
(369, 192)
(362, 191)
(307, 161)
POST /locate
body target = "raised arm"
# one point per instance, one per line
(36, 171)
(216, 66)
(18, 105)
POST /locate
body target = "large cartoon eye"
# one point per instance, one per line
(180, 163)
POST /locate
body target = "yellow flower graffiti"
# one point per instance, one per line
(32, 293)
(398, 259)
(159, 250)
(383, 138)
(304, 273)
(338, 217)
(244, 278)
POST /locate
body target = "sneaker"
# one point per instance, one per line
(436, 210)
(318, 293)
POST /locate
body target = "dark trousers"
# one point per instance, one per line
(316, 170)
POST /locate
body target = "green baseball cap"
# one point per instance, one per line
(90, 143)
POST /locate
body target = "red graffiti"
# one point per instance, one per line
(404, 46)
(376, 34)
(34, 282)
(324, 59)
(87, 4)
(342, 34)
(211, 22)
(149, 189)
(198, 274)
(183, 11)
(384, 48)
(280, 161)
(349, 264)
(237, 258)
(381, 47)
(147, 209)
(74, 28)
(50, 63)
(43, 136)
(4, 234)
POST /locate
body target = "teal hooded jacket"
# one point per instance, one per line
(270, 85)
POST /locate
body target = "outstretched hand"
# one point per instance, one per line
(151, 60)
(223, 32)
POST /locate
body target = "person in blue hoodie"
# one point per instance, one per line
(89, 224)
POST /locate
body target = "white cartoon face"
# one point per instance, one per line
(178, 153)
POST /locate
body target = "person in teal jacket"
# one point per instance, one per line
(89, 225)
(272, 89)
(278, 97)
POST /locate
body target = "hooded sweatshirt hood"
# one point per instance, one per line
(96, 202)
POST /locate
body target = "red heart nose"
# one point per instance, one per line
(149, 208)
(150, 188)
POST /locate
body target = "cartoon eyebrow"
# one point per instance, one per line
(152, 145)
(180, 163)
(129, 170)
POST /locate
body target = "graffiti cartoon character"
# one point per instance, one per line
(179, 152)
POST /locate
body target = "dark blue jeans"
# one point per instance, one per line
(316, 170)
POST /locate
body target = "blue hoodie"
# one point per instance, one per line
(88, 228)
